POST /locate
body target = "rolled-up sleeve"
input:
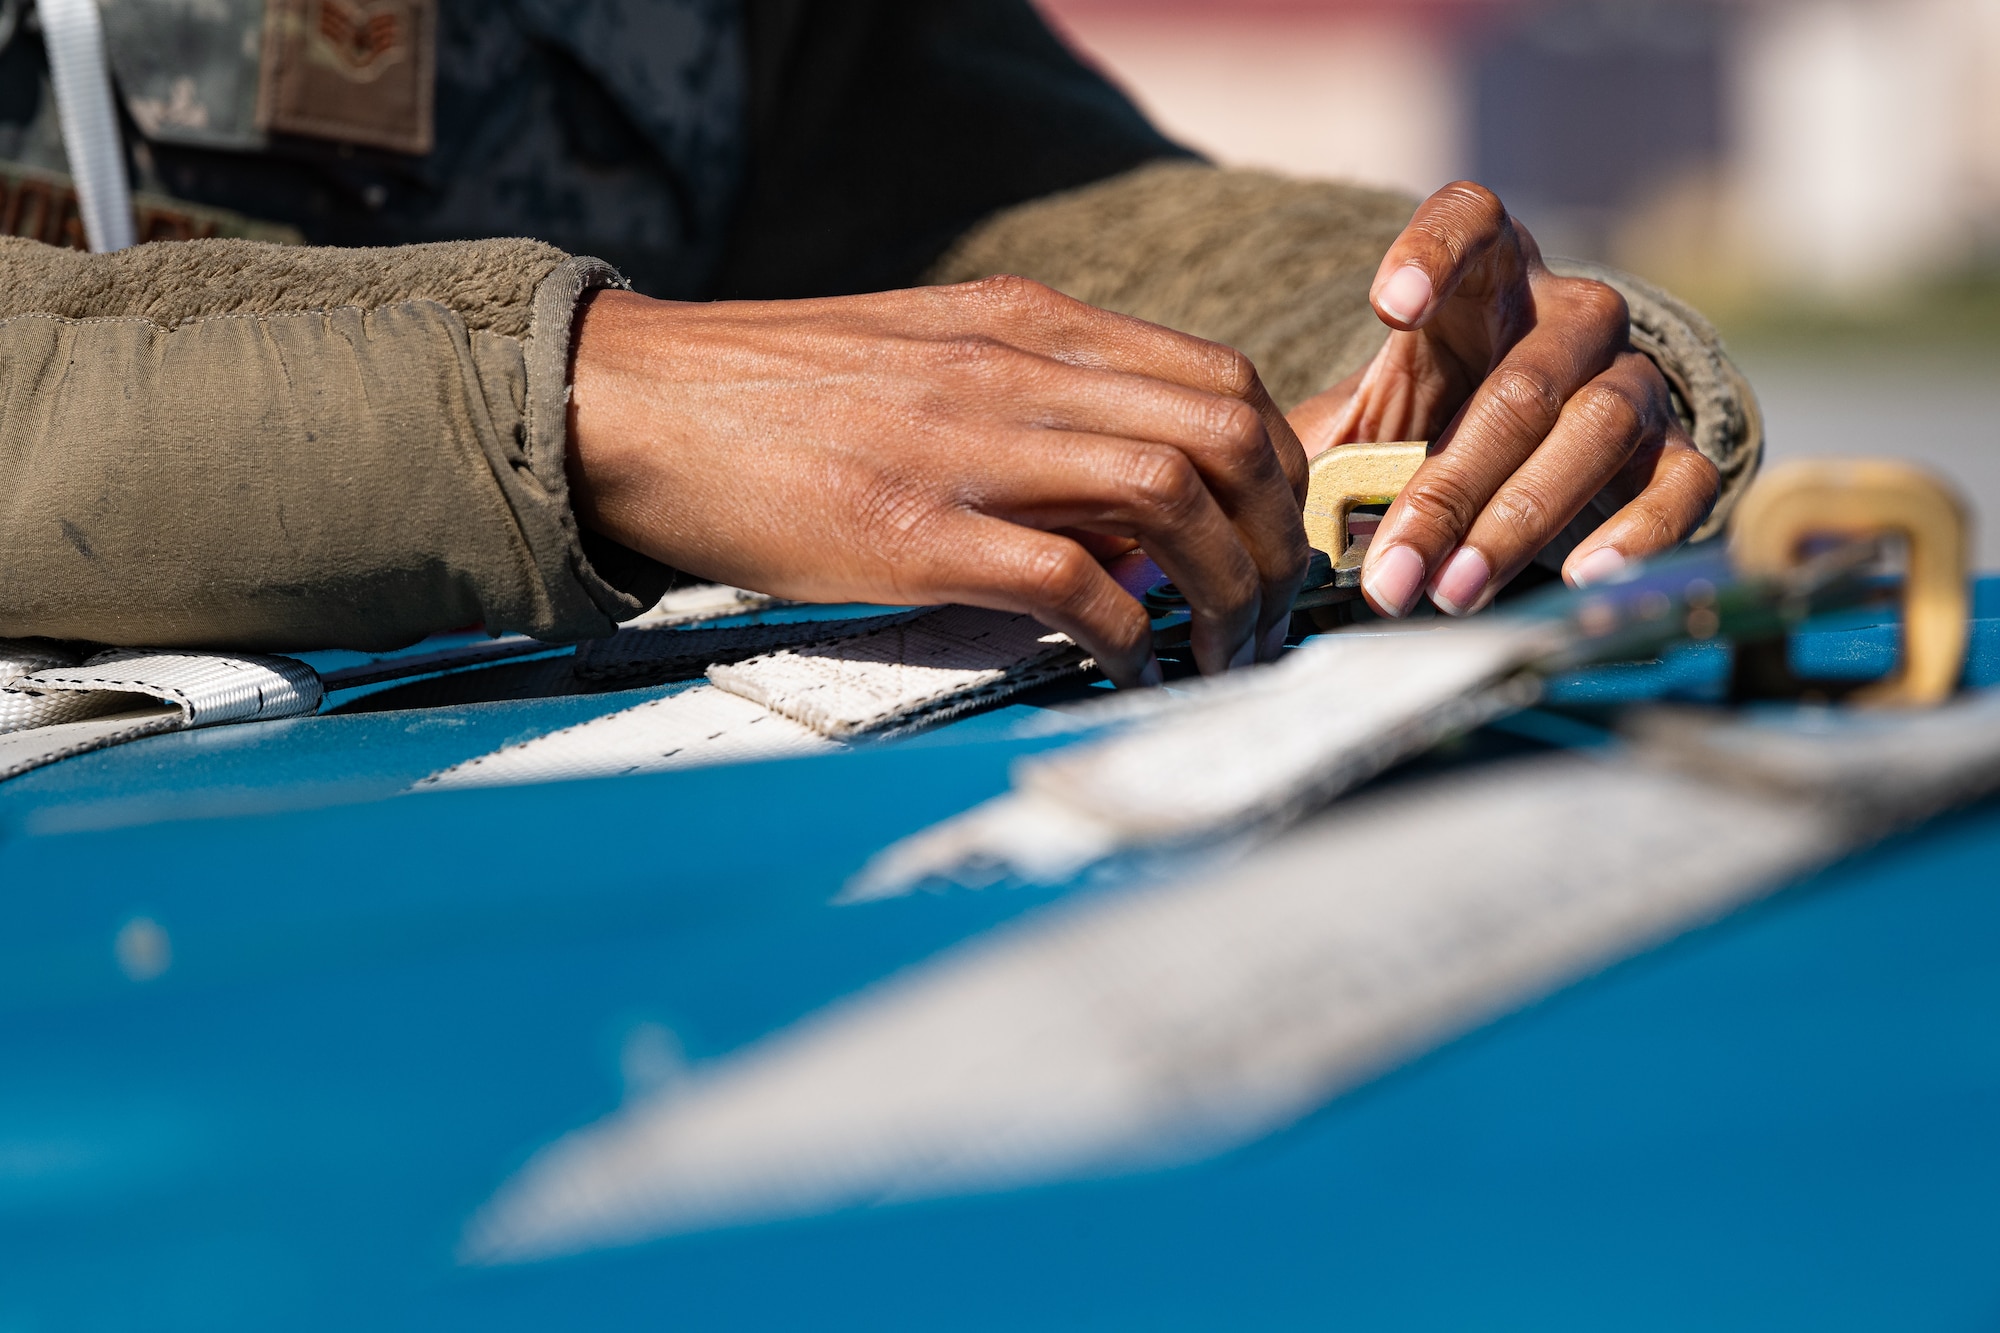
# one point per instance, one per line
(232, 444)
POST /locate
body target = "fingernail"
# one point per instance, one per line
(1407, 294)
(1462, 582)
(1149, 674)
(1393, 580)
(1600, 566)
(1245, 654)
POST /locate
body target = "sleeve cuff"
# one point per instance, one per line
(596, 582)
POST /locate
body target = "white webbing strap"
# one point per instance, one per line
(1133, 1029)
(124, 694)
(699, 602)
(51, 708)
(73, 32)
(20, 710)
(680, 651)
(797, 701)
(702, 725)
(948, 662)
(1257, 745)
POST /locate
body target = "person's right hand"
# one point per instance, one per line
(982, 444)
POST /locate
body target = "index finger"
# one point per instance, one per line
(1256, 469)
(1501, 426)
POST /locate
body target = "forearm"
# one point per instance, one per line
(229, 444)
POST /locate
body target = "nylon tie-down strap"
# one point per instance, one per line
(57, 709)
(1262, 745)
(1250, 748)
(800, 700)
(807, 686)
(1165, 1022)
(645, 654)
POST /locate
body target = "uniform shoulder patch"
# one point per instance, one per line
(359, 71)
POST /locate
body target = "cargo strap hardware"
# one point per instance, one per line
(1863, 506)
(1342, 480)
(1869, 501)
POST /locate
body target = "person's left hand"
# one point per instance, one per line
(1539, 407)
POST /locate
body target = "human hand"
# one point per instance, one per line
(984, 443)
(1541, 412)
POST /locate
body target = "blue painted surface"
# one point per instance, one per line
(376, 1008)
(293, 764)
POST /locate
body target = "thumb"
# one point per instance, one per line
(1455, 238)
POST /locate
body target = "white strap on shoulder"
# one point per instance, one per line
(73, 32)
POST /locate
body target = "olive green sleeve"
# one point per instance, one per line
(234, 444)
(1280, 269)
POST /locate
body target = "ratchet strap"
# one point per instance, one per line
(920, 669)
(1182, 766)
(806, 685)
(1165, 1022)
(57, 708)
(1238, 753)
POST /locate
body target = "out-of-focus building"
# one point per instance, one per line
(1838, 148)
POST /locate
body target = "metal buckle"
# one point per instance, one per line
(1343, 479)
(1860, 499)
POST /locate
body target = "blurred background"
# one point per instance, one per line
(1821, 176)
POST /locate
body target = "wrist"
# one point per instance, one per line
(607, 443)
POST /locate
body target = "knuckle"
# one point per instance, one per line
(1440, 504)
(1232, 373)
(1699, 475)
(1637, 369)
(1058, 575)
(1236, 427)
(1163, 481)
(1015, 291)
(1473, 202)
(1600, 309)
(1640, 366)
(1527, 392)
(1679, 501)
(1215, 367)
(1614, 413)
(1462, 216)
(1523, 508)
